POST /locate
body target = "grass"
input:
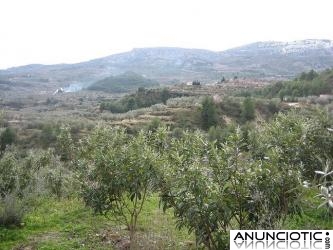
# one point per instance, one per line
(63, 224)
(158, 229)
(312, 217)
(68, 224)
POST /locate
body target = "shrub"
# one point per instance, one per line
(2, 118)
(248, 110)
(217, 134)
(7, 137)
(65, 145)
(119, 172)
(302, 138)
(212, 189)
(326, 186)
(54, 182)
(48, 135)
(154, 124)
(8, 174)
(208, 113)
(184, 101)
(11, 211)
(141, 99)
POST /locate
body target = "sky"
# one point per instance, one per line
(70, 31)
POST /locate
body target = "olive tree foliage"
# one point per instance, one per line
(326, 186)
(8, 177)
(301, 139)
(25, 176)
(16, 181)
(119, 172)
(188, 188)
(214, 189)
(38, 172)
(21, 175)
(7, 137)
(65, 144)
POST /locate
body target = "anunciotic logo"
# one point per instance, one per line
(281, 239)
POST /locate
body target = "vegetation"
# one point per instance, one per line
(307, 84)
(211, 188)
(326, 186)
(141, 99)
(178, 173)
(208, 113)
(303, 139)
(7, 138)
(248, 110)
(120, 174)
(122, 83)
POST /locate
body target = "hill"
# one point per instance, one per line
(173, 65)
(122, 83)
(285, 59)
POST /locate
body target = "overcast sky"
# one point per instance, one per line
(67, 31)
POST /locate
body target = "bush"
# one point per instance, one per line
(11, 211)
(8, 174)
(48, 135)
(141, 99)
(307, 84)
(7, 137)
(212, 189)
(55, 182)
(248, 110)
(119, 173)
(302, 139)
(154, 124)
(217, 134)
(208, 113)
(64, 144)
(184, 102)
(231, 107)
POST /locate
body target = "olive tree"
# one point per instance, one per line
(119, 172)
(213, 189)
(65, 145)
(301, 138)
(23, 178)
(325, 182)
(8, 174)
(7, 137)
(188, 189)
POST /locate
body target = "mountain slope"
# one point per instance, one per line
(285, 59)
(168, 65)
